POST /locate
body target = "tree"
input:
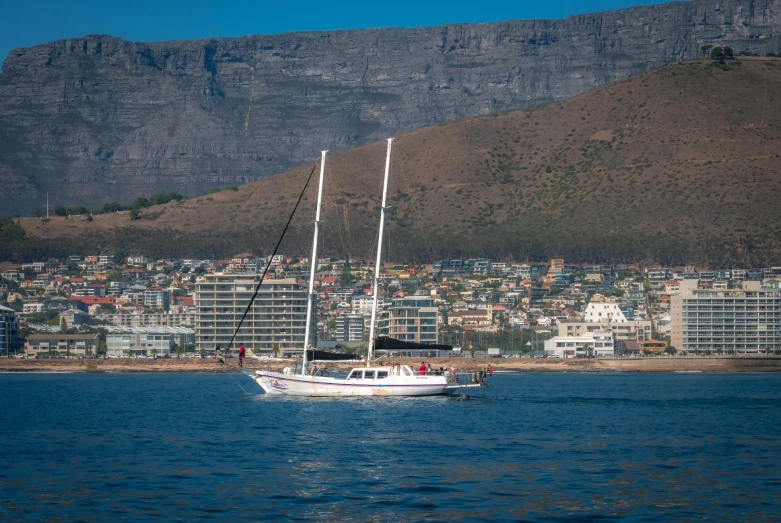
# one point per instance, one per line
(587, 349)
(705, 49)
(275, 350)
(134, 214)
(717, 53)
(345, 279)
(60, 210)
(119, 256)
(670, 350)
(202, 352)
(728, 53)
(153, 352)
(178, 351)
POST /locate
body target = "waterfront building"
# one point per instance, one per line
(726, 320)
(349, 327)
(10, 342)
(595, 344)
(277, 319)
(411, 318)
(607, 317)
(140, 341)
(73, 344)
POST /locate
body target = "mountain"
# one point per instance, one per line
(681, 164)
(98, 118)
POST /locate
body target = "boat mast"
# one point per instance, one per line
(379, 254)
(311, 296)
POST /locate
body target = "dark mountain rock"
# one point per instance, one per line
(98, 118)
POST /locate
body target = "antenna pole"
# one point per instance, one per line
(311, 296)
(47, 205)
(379, 256)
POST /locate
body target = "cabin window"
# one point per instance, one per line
(368, 374)
(382, 374)
(355, 375)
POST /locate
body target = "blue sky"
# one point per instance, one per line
(31, 22)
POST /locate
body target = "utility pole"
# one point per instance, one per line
(47, 205)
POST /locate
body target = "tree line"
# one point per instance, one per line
(496, 242)
(141, 202)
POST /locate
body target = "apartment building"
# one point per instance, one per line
(74, 344)
(607, 317)
(10, 342)
(146, 341)
(411, 318)
(349, 327)
(740, 320)
(363, 305)
(276, 320)
(157, 299)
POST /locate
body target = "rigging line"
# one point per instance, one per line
(339, 226)
(417, 213)
(282, 236)
(337, 209)
(237, 383)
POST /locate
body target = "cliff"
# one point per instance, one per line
(99, 118)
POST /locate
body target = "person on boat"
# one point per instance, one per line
(220, 358)
(491, 369)
(242, 353)
(422, 368)
(429, 370)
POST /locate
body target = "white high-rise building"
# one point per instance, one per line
(277, 319)
(726, 320)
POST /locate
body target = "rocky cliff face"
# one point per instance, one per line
(98, 118)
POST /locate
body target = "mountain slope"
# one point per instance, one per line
(97, 118)
(680, 164)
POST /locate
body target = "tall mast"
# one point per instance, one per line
(379, 256)
(311, 296)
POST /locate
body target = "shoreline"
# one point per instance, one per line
(661, 364)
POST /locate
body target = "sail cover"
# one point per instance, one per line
(321, 355)
(385, 343)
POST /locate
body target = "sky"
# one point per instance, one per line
(31, 22)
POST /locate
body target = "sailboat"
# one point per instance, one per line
(371, 380)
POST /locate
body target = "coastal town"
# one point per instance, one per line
(120, 306)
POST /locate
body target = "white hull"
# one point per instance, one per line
(296, 385)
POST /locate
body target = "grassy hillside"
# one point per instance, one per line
(680, 164)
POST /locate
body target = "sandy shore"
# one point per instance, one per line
(725, 364)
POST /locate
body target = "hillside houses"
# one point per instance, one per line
(475, 299)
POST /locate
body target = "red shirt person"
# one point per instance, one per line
(242, 353)
(422, 368)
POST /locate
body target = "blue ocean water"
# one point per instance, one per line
(537, 447)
